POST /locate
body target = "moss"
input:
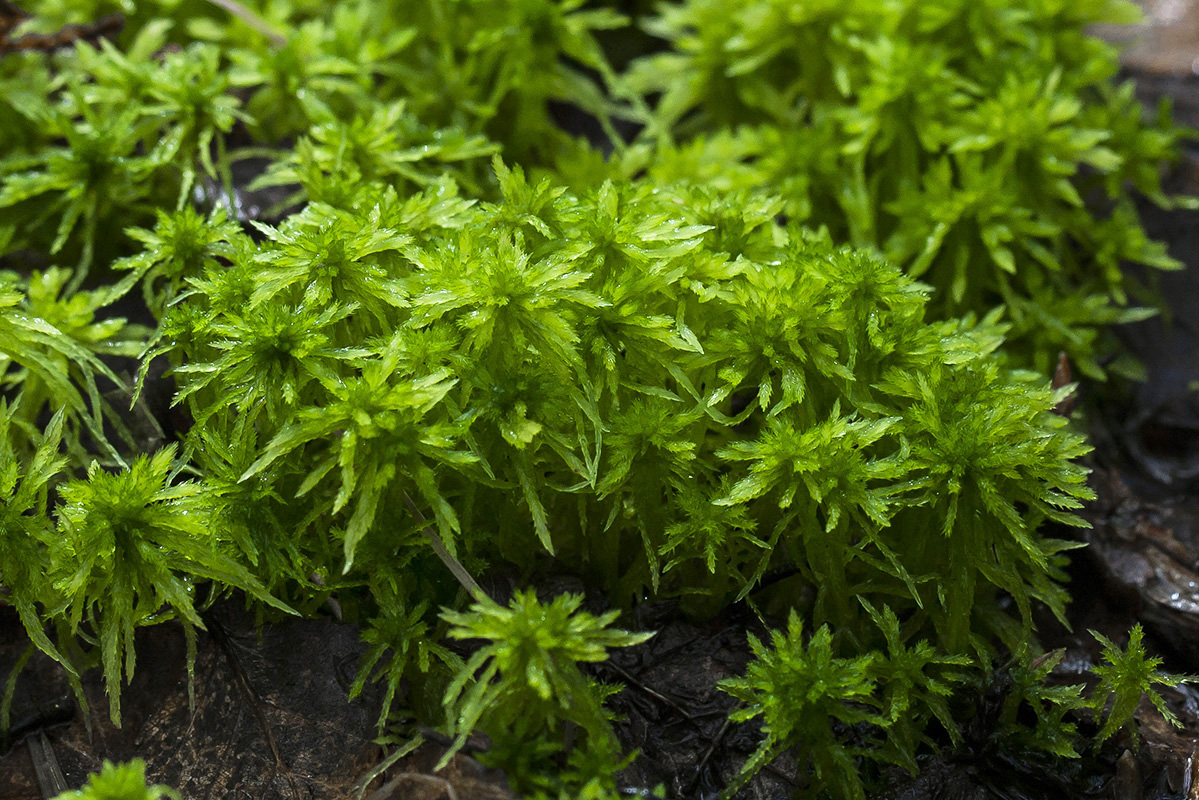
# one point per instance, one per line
(466, 340)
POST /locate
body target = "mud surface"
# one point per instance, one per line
(270, 720)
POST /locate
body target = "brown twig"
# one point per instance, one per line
(387, 790)
(45, 766)
(661, 698)
(11, 16)
(699, 768)
(454, 565)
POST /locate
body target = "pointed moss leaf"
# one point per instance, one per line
(529, 666)
(1126, 676)
(130, 543)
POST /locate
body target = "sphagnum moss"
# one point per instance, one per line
(545, 364)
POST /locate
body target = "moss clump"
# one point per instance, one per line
(463, 339)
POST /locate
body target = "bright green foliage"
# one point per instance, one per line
(386, 440)
(74, 314)
(390, 145)
(487, 69)
(586, 376)
(251, 515)
(130, 544)
(591, 773)
(324, 254)
(185, 94)
(25, 530)
(120, 782)
(806, 694)
(982, 146)
(268, 356)
(189, 93)
(182, 245)
(525, 683)
(49, 343)
(1125, 677)
(665, 383)
(966, 489)
(25, 82)
(1049, 705)
(916, 683)
(494, 67)
(799, 690)
(121, 130)
(126, 134)
(87, 181)
(406, 634)
(282, 79)
(824, 488)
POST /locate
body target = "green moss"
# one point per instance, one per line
(982, 146)
(469, 340)
(120, 782)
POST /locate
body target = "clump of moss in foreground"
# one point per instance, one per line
(661, 387)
